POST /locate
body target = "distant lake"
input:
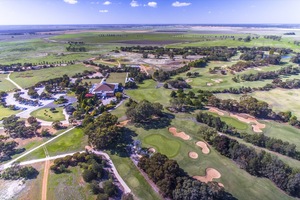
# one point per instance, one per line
(286, 57)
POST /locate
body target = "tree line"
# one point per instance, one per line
(260, 164)
(260, 140)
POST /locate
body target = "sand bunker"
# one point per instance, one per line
(221, 185)
(215, 110)
(188, 80)
(257, 126)
(152, 150)
(211, 174)
(181, 135)
(217, 80)
(123, 123)
(209, 84)
(203, 146)
(193, 155)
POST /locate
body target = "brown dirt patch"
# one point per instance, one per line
(203, 146)
(215, 110)
(50, 129)
(257, 126)
(188, 80)
(45, 180)
(211, 174)
(193, 155)
(181, 135)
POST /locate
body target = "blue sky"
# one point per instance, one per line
(20, 12)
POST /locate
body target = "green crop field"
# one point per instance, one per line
(30, 78)
(47, 115)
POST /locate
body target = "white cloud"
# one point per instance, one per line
(103, 11)
(106, 3)
(152, 4)
(180, 4)
(71, 1)
(134, 3)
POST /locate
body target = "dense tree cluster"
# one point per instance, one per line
(103, 132)
(161, 75)
(273, 37)
(8, 149)
(296, 59)
(76, 47)
(247, 104)
(94, 171)
(16, 128)
(182, 101)
(260, 164)
(178, 83)
(143, 111)
(174, 183)
(16, 172)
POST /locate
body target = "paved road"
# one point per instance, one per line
(30, 151)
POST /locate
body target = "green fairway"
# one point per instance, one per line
(163, 145)
(5, 85)
(6, 112)
(133, 178)
(232, 121)
(30, 78)
(116, 78)
(47, 115)
(72, 141)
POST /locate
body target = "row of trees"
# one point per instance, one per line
(16, 172)
(288, 70)
(260, 140)
(260, 164)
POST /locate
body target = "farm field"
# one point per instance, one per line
(5, 85)
(30, 78)
(47, 115)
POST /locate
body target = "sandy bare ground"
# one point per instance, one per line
(257, 126)
(144, 68)
(10, 189)
(181, 135)
(211, 174)
(45, 180)
(221, 184)
(209, 84)
(203, 146)
(216, 110)
(193, 155)
(188, 80)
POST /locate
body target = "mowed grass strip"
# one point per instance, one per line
(6, 112)
(231, 121)
(47, 115)
(30, 78)
(5, 85)
(72, 141)
(134, 179)
(163, 145)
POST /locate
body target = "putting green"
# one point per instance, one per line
(164, 145)
(134, 182)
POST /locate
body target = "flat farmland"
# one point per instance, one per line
(30, 78)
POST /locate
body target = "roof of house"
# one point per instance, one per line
(106, 87)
